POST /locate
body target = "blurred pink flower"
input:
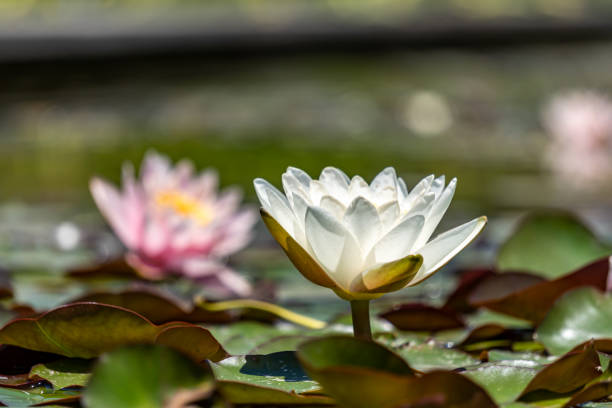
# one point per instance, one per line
(173, 221)
(580, 123)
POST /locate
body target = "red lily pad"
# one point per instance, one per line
(86, 330)
(458, 300)
(421, 317)
(533, 301)
(569, 373)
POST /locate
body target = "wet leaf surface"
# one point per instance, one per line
(578, 316)
(64, 373)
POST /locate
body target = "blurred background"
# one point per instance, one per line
(509, 96)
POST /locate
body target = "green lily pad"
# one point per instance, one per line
(504, 380)
(578, 316)
(550, 245)
(85, 330)
(144, 377)
(275, 378)
(428, 357)
(64, 373)
(26, 398)
(242, 337)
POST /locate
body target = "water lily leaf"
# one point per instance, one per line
(533, 302)
(593, 392)
(157, 307)
(85, 330)
(144, 376)
(578, 316)
(275, 378)
(528, 359)
(421, 317)
(504, 380)
(63, 373)
(457, 301)
(359, 373)
(550, 245)
(242, 337)
(429, 357)
(35, 397)
(567, 374)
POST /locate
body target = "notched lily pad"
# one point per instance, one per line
(85, 330)
(65, 373)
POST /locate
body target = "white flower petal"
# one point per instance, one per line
(326, 237)
(358, 187)
(436, 213)
(399, 241)
(333, 206)
(317, 191)
(301, 176)
(384, 179)
(418, 191)
(292, 185)
(275, 203)
(388, 215)
(334, 179)
(402, 190)
(437, 186)
(361, 218)
(445, 246)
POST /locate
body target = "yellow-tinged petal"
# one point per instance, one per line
(298, 255)
(389, 277)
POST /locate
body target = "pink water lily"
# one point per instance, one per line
(580, 151)
(175, 222)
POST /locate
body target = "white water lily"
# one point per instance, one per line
(363, 240)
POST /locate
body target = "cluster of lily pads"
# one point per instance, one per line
(535, 330)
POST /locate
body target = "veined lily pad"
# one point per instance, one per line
(86, 330)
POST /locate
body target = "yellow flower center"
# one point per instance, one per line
(185, 205)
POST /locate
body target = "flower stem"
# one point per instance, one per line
(360, 310)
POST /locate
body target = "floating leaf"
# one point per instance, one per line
(86, 330)
(568, 373)
(144, 377)
(534, 301)
(36, 397)
(457, 301)
(420, 317)
(578, 316)
(428, 357)
(503, 380)
(64, 373)
(157, 307)
(550, 245)
(359, 373)
(275, 378)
